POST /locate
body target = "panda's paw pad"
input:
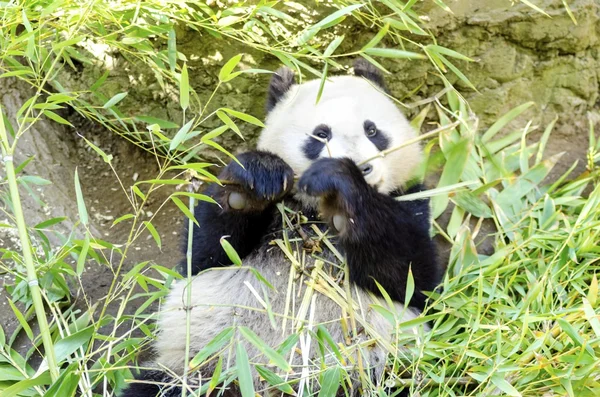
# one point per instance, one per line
(264, 176)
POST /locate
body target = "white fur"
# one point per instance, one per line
(346, 102)
(224, 297)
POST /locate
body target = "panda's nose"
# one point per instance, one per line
(366, 169)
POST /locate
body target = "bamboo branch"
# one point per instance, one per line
(32, 280)
(188, 300)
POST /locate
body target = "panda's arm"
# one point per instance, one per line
(245, 208)
(382, 237)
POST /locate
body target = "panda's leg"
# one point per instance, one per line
(244, 211)
(146, 384)
(154, 383)
(382, 237)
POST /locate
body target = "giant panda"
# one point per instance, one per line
(309, 164)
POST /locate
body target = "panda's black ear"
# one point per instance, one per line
(363, 68)
(280, 83)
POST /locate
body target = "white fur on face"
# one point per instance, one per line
(346, 102)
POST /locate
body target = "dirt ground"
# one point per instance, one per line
(57, 153)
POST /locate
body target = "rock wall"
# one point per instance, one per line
(519, 55)
(522, 55)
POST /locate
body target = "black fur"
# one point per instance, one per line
(146, 385)
(280, 83)
(383, 238)
(313, 147)
(264, 180)
(380, 141)
(157, 384)
(364, 68)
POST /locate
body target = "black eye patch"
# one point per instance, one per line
(375, 135)
(314, 144)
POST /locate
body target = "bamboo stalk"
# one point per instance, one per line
(188, 301)
(32, 280)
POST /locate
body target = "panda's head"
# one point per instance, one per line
(354, 118)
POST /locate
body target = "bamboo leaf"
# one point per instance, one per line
(83, 254)
(221, 149)
(106, 157)
(181, 135)
(446, 51)
(21, 318)
(229, 123)
(410, 287)
(377, 38)
(504, 120)
(243, 116)
(172, 49)
(322, 83)
(68, 345)
(20, 387)
(330, 382)
(393, 53)
(275, 357)
(212, 347)
(56, 47)
(153, 232)
(153, 120)
(8, 372)
(184, 209)
(215, 379)
(230, 251)
(114, 100)
(83, 215)
(184, 88)
(335, 43)
(592, 294)
(336, 17)
(50, 222)
(122, 218)
(53, 116)
(243, 371)
(457, 72)
(591, 317)
(225, 72)
(499, 381)
(274, 380)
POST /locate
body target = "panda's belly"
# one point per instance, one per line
(302, 300)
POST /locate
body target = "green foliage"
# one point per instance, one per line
(522, 320)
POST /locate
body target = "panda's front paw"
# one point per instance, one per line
(264, 178)
(333, 177)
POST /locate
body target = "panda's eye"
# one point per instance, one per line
(323, 132)
(370, 128)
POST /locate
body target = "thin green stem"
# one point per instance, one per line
(36, 295)
(188, 300)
